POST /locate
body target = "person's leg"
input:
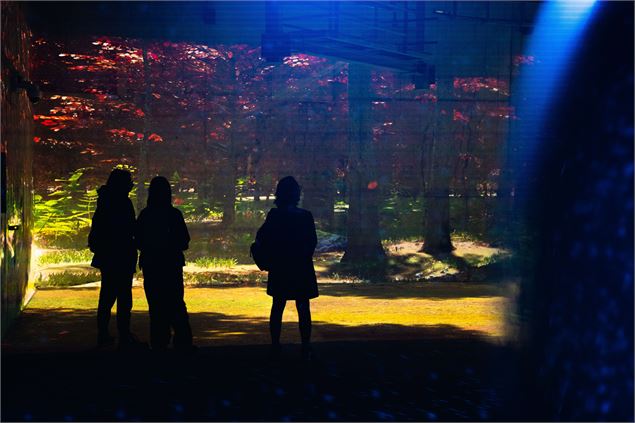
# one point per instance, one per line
(151, 297)
(304, 315)
(107, 297)
(275, 320)
(124, 306)
(159, 325)
(180, 319)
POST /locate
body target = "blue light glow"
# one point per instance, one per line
(553, 43)
(552, 47)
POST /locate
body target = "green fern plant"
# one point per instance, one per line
(66, 210)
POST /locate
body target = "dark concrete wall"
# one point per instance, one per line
(17, 180)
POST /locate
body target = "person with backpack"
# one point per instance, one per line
(162, 237)
(111, 240)
(284, 246)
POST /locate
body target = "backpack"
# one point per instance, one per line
(258, 252)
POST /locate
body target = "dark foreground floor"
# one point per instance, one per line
(401, 380)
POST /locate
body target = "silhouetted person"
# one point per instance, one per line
(288, 235)
(111, 239)
(162, 237)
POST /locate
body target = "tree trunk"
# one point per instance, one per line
(204, 188)
(257, 154)
(229, 173)
(505, 205)
(317, 181)
(142, 164)
(364, 241)
(467, 185)
(437, 201)
(319, 197)
(256, 189)
(206, 182)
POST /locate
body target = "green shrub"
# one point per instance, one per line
(203, 279)
(215, 262)
(68, 278)
(65, 256)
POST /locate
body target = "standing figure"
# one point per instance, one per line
(289, 239)
(161, 238)
(111, 239)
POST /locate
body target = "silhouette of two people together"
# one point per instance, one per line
(161, 236)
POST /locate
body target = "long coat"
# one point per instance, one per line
(111, 237)
(162, 237)
(288, 235)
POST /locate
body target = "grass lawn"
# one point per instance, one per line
(64, 319)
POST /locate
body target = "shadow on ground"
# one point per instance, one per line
(427, 290)
(383, 372)
(416, 266)
(74, 330)
(423, 380)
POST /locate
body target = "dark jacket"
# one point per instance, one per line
(161, 237)
(111, 237)
(288, 235)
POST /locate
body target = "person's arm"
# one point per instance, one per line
(182, 234)
(264, 233)
(132, 222)
(95, 237)
(312, 242)
(138, 232)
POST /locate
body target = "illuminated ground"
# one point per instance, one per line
(64, 319)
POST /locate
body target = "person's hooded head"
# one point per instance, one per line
(119, 182)
(288, 192)
(159, 193)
